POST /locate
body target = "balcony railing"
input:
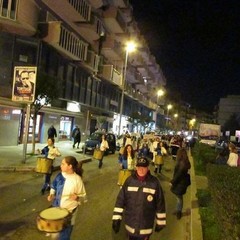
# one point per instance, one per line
(66, 41)
(111, 74)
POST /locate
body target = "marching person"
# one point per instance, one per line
(103, 147)
(181, 179)
(158, 159)
(127, 163)
(50, 152)
(141, 201)
(67, 191)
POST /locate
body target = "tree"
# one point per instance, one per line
(47, 89)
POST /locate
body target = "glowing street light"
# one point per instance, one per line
(169, 107)
(130, 47)
(160, 93)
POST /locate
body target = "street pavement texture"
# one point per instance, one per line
(21, 201)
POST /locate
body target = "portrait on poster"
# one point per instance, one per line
(24, 83)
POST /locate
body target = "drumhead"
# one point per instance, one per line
(54, 213)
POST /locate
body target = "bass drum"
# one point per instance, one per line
(53, 219)
(44, 165)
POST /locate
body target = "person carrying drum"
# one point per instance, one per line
(67, 191)
(50, 152)
(126, 163)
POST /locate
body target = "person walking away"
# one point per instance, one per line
(50, 152)
(76, 135)
(67, 191)
(181, 179)
(141, 201)
(103, 147)
(52, 133)
(126, 163)
(160, 152)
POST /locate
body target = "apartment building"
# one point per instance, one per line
(78, 47)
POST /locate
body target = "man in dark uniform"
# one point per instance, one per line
(141, 200)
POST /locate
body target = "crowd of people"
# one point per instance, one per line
(140, 203)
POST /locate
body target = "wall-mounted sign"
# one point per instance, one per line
(24, 83)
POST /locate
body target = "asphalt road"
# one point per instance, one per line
(21, 203)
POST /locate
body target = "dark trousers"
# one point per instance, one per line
(47, 180)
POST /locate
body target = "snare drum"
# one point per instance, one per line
(53, 219)
(158, 160)
(44, 165)
(98, 154)
(123, 175)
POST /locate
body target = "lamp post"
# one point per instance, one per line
(130, 47)
(169, 106)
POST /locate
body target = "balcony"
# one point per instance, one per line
(92, 61)
(92, 30)
(111, 49)
(113, 20)
(69, 10)
(109, 73)
(64, 41)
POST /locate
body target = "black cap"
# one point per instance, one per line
(142, 162)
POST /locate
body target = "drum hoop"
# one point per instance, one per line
(55, 219)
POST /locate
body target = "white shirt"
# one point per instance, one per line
(104, 145)
(53, 152)
(73, 185)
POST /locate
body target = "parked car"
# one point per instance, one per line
(95, 139)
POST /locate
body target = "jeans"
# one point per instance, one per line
(179, 203)
(66, 233)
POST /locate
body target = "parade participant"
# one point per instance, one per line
(181, 179)
(50, 152)
(160, 152)
(103, 147)
(140, 200)
(126, 163)
(67, 191)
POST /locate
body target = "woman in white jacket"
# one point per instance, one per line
(233, 155)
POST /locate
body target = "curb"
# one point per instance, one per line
(196, 224)
(32, 168)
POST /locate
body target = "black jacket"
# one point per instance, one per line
(142, 203)
(181, 180)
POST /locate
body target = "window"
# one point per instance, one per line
(8, 8)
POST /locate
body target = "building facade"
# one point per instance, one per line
(78, 47)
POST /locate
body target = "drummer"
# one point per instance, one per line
(67, 191)
(126, 161)
(50, 152)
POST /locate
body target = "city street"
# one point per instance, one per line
(21, 203)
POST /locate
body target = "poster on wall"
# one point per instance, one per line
(24, 84)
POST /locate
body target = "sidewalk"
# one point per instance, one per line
(11, 157)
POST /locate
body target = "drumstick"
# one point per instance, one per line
(79, 195)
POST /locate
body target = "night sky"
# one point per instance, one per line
(197, 45)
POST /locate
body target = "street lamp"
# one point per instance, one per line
(130, 47)
(169, 106)
(160, 93)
